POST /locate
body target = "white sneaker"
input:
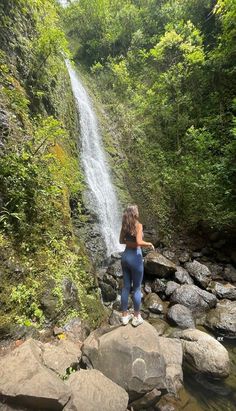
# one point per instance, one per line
(126, 319)
(137, 320)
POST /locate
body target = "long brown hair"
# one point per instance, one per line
(130, 219)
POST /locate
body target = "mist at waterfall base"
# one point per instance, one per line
(96, 169)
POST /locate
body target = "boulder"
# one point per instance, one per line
(172, 351)
(184, 257)
(181, 316)
(158, 286)
(157, 265)
(205, 354)
(25, 379)
(182, 276)
(221, 291)
(171, 287)
(146, 401)
(199, 272)
(109, 294)
(76, 329)
(160, 325)
(193, 297)
(154, 303)
(223, 318)
(230, 273)
(70, 293)
(92, 391)
(115, 269)
(60, 357)
(129, 356)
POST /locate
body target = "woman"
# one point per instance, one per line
(132, 263)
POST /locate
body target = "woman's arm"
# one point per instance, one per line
(139, 238)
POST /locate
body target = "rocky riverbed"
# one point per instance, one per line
(183, 357)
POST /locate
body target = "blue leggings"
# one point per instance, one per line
(132, 267)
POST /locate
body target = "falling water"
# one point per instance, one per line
(95, 166)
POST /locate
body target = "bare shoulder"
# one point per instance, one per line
(139, 226)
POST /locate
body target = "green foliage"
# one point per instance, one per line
(168, 79)
(39, 170)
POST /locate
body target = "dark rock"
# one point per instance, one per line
(151, 236)
(76, 329)
(171, 287)
(158, 266)
(181, 316)
(158, 286)
(230, 273)
(147, 288)
(114, 318)
(184, 257)
(170, 255)
(154, 303)
(196, 254)
(199, 272)
(182, 276)
(223, 318)
(115, 269)
(57, 331)
(159, 325)
(233, 257)
(193, 297)
(49, 301)
(146, 401)
(70, 292)
(221, 291)
(108, 292)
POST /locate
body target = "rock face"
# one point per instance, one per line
(182, 276)
(92, 391)
(131, 357)
(171, 287)
(205, 354)
(193, 297)
(61, 356)
(172, 351)
(199, 272)
(157, 265)
(181, 316)
(24, 378)
(224, 290)
(154, 303)
(223, 318)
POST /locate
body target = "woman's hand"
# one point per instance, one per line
(150, 245)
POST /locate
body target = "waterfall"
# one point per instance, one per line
(95, 166)
(96, 169)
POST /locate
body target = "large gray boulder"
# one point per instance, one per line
(154, 303)
(172, 352)
(223, 318)
(181, 316)
(59, 357)
(205, 354)
(199, 272)
(230, 273)
(129, 356)
(193, 297)
(25, 379)
(182, 276)
(157, 265)
(171, 287)
(92, 391)
(222, 291)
